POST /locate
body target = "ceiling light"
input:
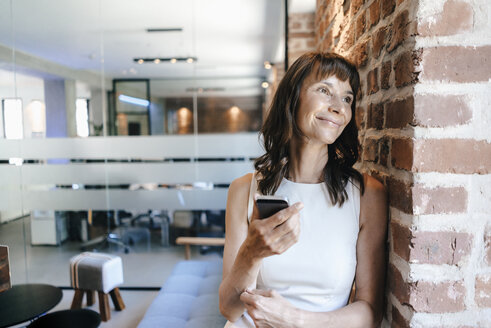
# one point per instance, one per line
(134, 100)
(140, 61)
(156, 60)
(265, 85)
(171, 29)
(190, 60)
(267, 65)
(173, 60)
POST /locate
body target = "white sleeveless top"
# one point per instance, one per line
(316, 273)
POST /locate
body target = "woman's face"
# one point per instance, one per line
(325, 108)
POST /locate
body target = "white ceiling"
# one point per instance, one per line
(230, 38)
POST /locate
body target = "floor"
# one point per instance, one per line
(143, 266)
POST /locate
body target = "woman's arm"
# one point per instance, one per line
(247, 244)
(239, 270)
(367, 308)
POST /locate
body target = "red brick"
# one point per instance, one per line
(401, 240)
(375, 116)
(439, 200)
(348, 37)
(405, 68)
(397, 285)
(487, 246)
(465, 156)
(442, 297)
(370, 150)
(457, 64)
(359, 55)
(442, 247)
(372, 81)
(356, 5)
(398, 320)
(374, 13)
(400, 195)
(385, 75)
(360, 118)
(360, 25)
(399, 113)
(441, 110)
(402, 153)
(384, 152)
(483, 291)
(399, 31)
(388, 7)
(378, 41)
(456, 17)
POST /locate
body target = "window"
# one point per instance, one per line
(82, 117)
(12, 118)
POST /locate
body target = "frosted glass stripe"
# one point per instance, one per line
(148, 147)
(75, 200)
(125, 173)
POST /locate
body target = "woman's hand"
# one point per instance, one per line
(273, 235)
(269, 309)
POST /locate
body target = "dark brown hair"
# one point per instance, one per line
(280, 126)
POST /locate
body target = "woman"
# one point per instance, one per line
(296, 268)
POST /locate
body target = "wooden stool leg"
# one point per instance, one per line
(90, 297)
(117, 299)
(77, 299)
(187, 255)
(104, 306)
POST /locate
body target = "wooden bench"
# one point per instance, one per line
(198, 241)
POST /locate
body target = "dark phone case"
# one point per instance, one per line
(268, 207)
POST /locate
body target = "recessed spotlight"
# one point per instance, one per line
(265, 85)
(156, 60)
(190, 60)
(267, 65)
(140, 61)
(173, 60)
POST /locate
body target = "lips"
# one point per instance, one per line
(327, 119)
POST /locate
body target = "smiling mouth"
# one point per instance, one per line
(328, 121)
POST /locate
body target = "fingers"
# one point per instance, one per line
(283, 215)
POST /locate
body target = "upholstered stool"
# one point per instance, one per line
(99, 272)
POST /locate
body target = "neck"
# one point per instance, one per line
(307, 161)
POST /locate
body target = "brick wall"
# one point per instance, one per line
(424, 117)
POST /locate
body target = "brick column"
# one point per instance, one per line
(424, 117)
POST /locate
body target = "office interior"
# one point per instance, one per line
(123, 123)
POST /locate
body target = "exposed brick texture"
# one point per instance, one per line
(399, 31)
(401, 239)
(402, 153)
(372, 81)
(378, 41)
(388, 7)
(487, 246)
(457, 64)
(442, 297)
(370, 150)
(400, 195)
(456, 17)
(356, 5)
(439, 200)
(405, 70)
(441, 110)
(483, 291)
(375, 116)
(399, 113)
(360, 25)
(464, 156)
(374, 13)
(397, 285)
(398, 321)
(443, 247)
(359, 56)
(385, 74)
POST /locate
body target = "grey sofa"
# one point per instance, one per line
(189, 298)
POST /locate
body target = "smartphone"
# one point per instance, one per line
(269, 205)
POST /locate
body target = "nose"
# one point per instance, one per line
(335, 105)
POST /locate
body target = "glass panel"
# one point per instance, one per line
(101, 151)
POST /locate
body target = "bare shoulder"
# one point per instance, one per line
(373, 202)
(240, 186)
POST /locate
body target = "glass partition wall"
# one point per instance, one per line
(110, 150)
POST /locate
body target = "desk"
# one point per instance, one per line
(27, 301)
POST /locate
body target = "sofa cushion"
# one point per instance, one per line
(189, 298)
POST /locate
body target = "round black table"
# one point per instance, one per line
(27, 301)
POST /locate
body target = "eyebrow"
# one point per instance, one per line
(330, 85)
